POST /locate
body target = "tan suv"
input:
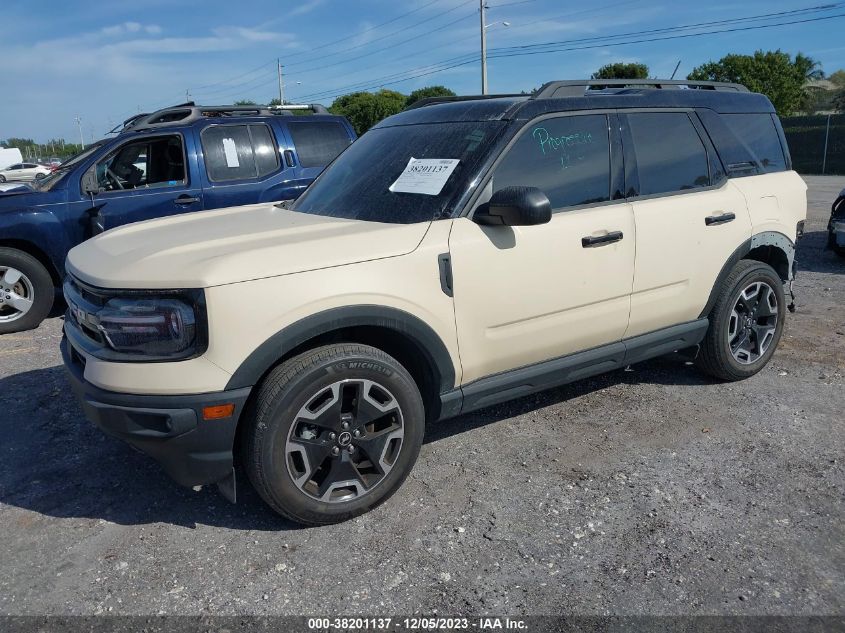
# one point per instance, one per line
(462, 253)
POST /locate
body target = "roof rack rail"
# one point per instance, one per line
(432, 100)
(316, 108)
(580, 87)
(189, 112)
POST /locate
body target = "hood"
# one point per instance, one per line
(212, 248)
(14, 188)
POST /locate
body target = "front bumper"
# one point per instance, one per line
(170, 428)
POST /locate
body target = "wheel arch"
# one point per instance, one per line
(32, 249)
(400, 334)
(770, 247)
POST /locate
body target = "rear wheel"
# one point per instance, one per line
(746, 322)
(26, 291)
(333, 433)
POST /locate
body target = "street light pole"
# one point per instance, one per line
(281, 85)
(483, 48)
(79, 124)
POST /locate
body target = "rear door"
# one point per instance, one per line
(690, 218)
(241, 163)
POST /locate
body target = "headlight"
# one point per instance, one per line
(151, 327)
(134, 325)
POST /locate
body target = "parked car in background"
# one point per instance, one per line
(836, 225)
(177, 160)
(462, 253)
(23, 172)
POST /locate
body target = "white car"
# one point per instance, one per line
(23, 171)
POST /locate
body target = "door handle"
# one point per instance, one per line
(185, 200)
(592, 241)
(712, 220)
(290, 160)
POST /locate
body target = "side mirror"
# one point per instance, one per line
(89, 182)
(515, 206)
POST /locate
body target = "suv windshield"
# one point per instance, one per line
(49, 181)
(356, 186)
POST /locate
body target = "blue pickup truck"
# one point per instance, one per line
(177, 160)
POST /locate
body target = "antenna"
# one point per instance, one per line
(678, 65)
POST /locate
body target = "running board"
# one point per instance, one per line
(566, 369)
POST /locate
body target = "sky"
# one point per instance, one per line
(103, 61)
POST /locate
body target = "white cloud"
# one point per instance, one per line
(306, 7)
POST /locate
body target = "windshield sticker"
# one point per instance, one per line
(231, 153)
(427, 176)
(554, 143)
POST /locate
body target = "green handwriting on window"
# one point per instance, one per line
(553, 143)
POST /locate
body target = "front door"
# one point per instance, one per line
(533, 293)
(143, 179)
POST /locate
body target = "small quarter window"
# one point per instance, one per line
(670, 154)
(318, 142)
(568, 158)
(239, 152)
(758, 132)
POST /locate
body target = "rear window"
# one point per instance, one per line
(318, 142)
(670, 155)
(759, 133)
(239, 152)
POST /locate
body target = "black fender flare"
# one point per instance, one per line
(418, 332)
(766, 238)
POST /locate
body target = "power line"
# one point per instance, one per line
(510, 52)
(386, 48)
(389, 35)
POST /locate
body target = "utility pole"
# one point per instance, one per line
(79, 125)
(482, 7)
(281, 85)
(187, 95)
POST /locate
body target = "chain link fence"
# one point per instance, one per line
(817, 143)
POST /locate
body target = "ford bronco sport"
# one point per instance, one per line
(176, 160)
(462, 253)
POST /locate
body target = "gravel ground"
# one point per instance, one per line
(650, 491)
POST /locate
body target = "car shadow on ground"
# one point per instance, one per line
(814, 255)
(56, 463)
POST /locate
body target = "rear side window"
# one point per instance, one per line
(759, 133)
(239, 152)
(318, 142)
(670, 155)
(568, 158)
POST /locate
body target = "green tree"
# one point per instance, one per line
(838, 78)
(621, 70)
(244, 102)
(365, 109)
(275, 101)
(774, 73)
(428, 91)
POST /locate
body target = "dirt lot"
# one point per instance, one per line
(651, 491)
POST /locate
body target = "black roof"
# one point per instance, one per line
(722, 98)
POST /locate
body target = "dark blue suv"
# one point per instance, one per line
(177, 160)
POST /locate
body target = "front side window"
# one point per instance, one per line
(145, 163)
(670, 155)
(568, 158)
(759, 133)
(359, 185)
(318, 142)
(239, 152)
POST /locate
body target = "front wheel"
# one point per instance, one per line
(26, 291)
(333, 433)
(746, 323)
(2, 178)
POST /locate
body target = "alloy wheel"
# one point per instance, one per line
(16, 294)
(753, 322)
(345, 440)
